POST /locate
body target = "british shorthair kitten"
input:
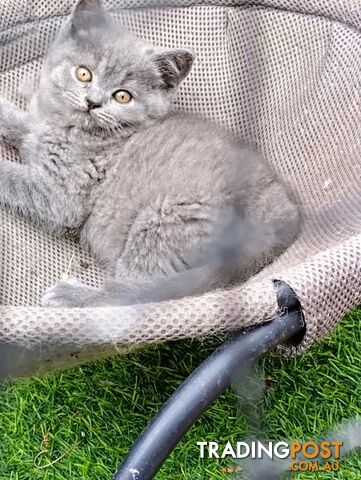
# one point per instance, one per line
(169, 204)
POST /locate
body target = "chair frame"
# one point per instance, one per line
(226, 365)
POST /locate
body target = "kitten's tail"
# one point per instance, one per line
(242, 249)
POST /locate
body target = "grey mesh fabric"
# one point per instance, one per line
(286, 77)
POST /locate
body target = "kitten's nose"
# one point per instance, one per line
(92, 104)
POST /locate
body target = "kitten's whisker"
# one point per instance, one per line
(72, 98)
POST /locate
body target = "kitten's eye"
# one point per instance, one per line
(122, 96)
(83, 74)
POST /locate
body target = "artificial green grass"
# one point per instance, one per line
(90, 415)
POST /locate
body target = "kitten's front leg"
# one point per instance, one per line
(25, 191)
(14, 123)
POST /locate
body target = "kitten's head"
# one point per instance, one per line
(100, 77)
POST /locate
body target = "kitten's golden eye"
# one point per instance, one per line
(122, 96)
(83, 74)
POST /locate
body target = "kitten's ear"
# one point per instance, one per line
(174, 66)
(87, 14)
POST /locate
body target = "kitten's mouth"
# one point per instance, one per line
(81, 109)
(88, 113)
(90, 120)
(91, 113)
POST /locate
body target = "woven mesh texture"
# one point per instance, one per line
(285, 76)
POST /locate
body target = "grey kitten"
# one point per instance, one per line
(169, 204)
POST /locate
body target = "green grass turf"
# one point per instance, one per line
(90, 415)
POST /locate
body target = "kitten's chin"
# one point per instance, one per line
(91, 124)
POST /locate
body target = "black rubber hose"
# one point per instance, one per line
(204, 385)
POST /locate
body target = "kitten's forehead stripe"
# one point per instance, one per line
(128, 76)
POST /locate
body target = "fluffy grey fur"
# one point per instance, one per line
(169, 204)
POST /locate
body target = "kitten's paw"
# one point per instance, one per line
(70, 294)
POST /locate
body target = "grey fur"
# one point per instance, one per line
(169, 204)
